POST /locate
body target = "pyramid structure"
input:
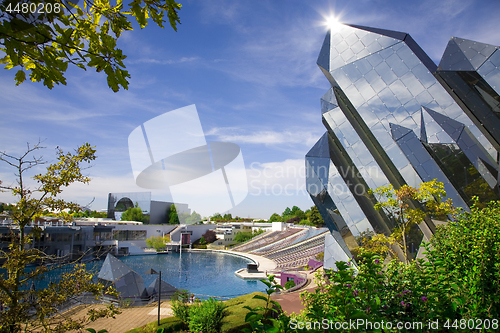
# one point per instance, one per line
(166, 288)
(126, 282)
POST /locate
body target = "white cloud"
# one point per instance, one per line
(267, 137)
(163, 62)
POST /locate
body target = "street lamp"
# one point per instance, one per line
(152, 271)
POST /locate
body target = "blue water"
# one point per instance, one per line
(205, 273)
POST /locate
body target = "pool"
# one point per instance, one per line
(203, 272)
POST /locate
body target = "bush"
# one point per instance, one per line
(181, 311)
(206, 316)
(289, 284)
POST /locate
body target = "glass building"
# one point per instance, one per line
(393, 117)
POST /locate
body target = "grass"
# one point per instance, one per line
(232, 323)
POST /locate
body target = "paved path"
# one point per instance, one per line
(129, 318)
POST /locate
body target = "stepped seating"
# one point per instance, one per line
(283, 236)
(320, 239)
(257, 243)
(280, 244)
(301, 258)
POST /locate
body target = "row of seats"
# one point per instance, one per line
(281, 244)
(301, 259)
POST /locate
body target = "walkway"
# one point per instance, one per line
(129, 318)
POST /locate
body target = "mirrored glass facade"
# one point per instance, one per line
(392, 118)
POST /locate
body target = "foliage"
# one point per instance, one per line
(320, 256)
(83, 36)
(203, 241)
(269, 318)
(27, 308)
(206, 316)
(245, 236)
(133, 214)
(173, 218)
(399, 205)
(181, 311)
(275, 218)
(210, 236)
(89, 213)
(374, 243)
(186, 218)
(315, 218)
(289, 284)
(469, 248)
(157, 242)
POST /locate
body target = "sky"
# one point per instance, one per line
(250, 69)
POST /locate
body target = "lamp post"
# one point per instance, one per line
(152, 271)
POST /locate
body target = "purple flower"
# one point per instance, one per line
(406, 291)
(355, 293)
(423, 298)
(398, 295)
(348, 285)
(403, 303)
(380, 282)
(384, 306)
(379, 273)
(377, 261)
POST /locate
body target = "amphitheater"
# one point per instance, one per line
(290, 249)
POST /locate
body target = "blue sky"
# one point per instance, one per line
(250, 68)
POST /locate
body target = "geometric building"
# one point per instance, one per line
(394, 117)
(127, 283)
(156, 210)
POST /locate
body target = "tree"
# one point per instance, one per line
(133, 214)
(210, 236)
(315, 218)
(193, 218)
(43, 45)
(398, 205)
(275, 218)
(157, 242)
(216, 217)
(173, 218)
(37, 310)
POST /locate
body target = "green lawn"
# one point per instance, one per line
(233, 322)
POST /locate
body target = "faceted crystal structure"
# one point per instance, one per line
(394, 117)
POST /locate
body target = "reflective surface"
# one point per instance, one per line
(393, 118)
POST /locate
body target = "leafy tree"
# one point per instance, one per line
(210, 236)
(228, 217)
(26, 309)
(193, 218)
(85, 36)
(315, 218)
(469, 248)
(203, 241)
(216, 217)
(398, 204)
(275, 218)
(287, 212)
(133, 214)
(378, 244)
(173, 218)
(157, 242)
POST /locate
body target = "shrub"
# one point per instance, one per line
(289, 284)
(181, 311)
(206, 316)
